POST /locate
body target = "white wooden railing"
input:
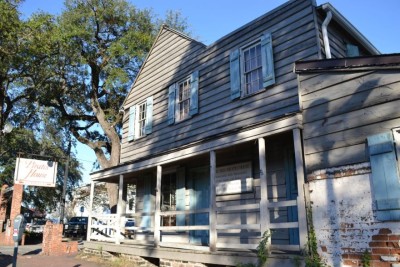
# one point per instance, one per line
(110, 227)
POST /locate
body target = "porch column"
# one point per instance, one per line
(264, 212)
(157, 218)
(120, 210)
(301, 206)
(91, 197)
(212, 216)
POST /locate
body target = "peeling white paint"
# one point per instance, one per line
(343, 216)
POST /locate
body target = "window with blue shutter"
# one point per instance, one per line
(183, 99)
(252, 67)
(171, 104)
(194, 93)
(235, 74)
(267, 58)
(149, 115)
(140, 119)
(132, 117)
(385, 176)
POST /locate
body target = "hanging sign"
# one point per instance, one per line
(234, 179)
(35, 172)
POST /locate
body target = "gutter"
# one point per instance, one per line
(325, 33)
(347, 26)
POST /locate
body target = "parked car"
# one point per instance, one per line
(37, 226)
(129, 233)
(76, 226)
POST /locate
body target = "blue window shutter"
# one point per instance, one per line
(180, 196)
(235, 73)
(149, 115)
(385, 178)
(146, 220)
(171, 104)
(194, 93)
(131, 129)
(352, 50)
(267, 59)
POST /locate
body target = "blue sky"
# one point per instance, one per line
(210, 20)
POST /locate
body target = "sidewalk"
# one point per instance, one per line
(29, 256)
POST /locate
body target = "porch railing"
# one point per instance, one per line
(111, 227)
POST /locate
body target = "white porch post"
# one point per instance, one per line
(213, 215)
(120, 218)
(301, 206)
(157, 218)
(91, 197)
(264, 212)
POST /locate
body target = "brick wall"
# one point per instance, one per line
(176, 263)
(345, 222)
(52, 241)
(6, 237)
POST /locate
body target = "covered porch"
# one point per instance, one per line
(214, 203)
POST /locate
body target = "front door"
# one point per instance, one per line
(199, 199)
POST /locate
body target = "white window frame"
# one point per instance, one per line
(243, 72)
(140, 120)
(186, 100)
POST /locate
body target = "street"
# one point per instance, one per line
(30, 256)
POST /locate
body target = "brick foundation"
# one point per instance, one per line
(52, 241)
(176, 263)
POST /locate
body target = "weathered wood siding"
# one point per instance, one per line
(341, 109)
(173, 58)
(338, 38)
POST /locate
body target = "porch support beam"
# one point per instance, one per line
(120, 210)
(301, 206)
(212, 216)
(157, 218)
(264, 212)
(91, 197)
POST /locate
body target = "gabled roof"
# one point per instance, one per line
(347, 26)
(160, 32)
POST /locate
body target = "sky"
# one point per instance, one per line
(209, 20)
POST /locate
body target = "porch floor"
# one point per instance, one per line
(221, 257)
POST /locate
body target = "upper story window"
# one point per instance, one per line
(183, 99)
(140, 119)
(252, 67)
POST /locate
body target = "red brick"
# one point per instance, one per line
(381, 251)
(350, 262)
(378, 244)
(394, 237)
(380, 264)
(393, 244)
(384, 231)
(380, 238)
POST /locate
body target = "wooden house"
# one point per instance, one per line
(212, 147)
(351, 121)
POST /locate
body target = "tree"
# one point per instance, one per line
(23, 47)
(99, 46)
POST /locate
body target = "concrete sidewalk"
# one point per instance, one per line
(30, 256)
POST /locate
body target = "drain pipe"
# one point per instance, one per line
(325, 34)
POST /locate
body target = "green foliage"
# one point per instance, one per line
(366, 259)
(262, 252)
(312, 258)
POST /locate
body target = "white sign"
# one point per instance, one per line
(35, 172)
(234, 179)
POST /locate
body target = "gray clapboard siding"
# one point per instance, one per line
(293, 39)
(341, 109)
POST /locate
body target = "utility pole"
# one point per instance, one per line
(65, 184)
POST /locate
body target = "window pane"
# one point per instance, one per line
(252, 69)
